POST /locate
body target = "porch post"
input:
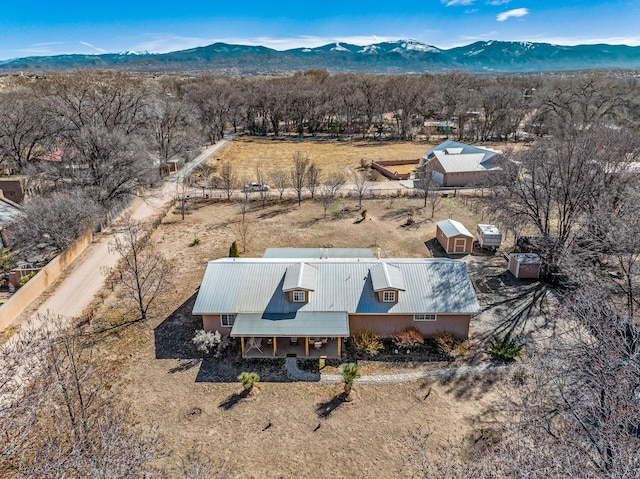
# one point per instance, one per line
(275, 346)
(306, 345)
(242, 345)
(339, 346)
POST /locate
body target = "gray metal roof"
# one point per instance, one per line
(526, 258)
(300, 276)
(319, 324)
(386, 276)
(458, 157)
(453, 228)
(255, 285)
(317, 253)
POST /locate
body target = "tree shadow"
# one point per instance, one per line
(325, 409)
(436, 249)
(185, 365)
(471, 385)
(233, 400)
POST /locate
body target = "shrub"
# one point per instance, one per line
(367, 341)
(25, 279)
(350, 372)
(195, 242)
(505, 348)
(248, 380)
(407, 338)
(206, 341)
(446, 342)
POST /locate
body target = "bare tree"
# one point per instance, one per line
(182, 195)
(280, 180)
(261, 178)
(62, 415)
(428, 187)
(145, 273)
(244, 230)
(299, 173)
(56, 220)
(362, 184)
(228, 180)
(329, 190)
(313, 178)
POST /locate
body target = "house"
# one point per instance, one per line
(454, 237)
(456, 164)
(304, 306)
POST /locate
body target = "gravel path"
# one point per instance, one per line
(434, 373)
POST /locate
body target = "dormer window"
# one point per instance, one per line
(299, 296)
(389, 296)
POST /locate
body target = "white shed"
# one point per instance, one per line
(489, 236)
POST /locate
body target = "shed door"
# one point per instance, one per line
(460, 245)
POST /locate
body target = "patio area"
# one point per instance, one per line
(283, 347)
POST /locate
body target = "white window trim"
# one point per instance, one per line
(425, 317)
(296, 297)
(393, 295)
(227, 320)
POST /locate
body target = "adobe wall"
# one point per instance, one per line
(381, 166)
(22, 298)
(387, 325)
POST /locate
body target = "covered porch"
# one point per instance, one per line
(300, 334)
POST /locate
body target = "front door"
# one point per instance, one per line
(459, 245)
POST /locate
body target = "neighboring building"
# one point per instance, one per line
(457, 164)
(302, 306)
(8, 211)
(525, 265)
(454, 237)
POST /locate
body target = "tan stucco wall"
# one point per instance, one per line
(464, 178)
(387, 325)
(22, 298)
(212, 323)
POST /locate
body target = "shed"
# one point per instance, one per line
(454, 237)
(525, 265)
(489, 236)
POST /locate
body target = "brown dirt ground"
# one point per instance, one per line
(247, 153)
(368, 437)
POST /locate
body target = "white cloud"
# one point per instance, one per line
(470, 11)
(458, 3)
(87, 44)
(497, 3)
(515, 13)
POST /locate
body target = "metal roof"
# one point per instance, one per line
(333, 324)
(459, 158)
(300, 276)
(526, 258)
(452, 228)
(317, 253)
(255, 285)
(386, 276)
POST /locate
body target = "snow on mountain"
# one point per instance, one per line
(339, 48)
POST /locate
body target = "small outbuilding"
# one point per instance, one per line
(525, 265)
(454, 237)
(489, 236)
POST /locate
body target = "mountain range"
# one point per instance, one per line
(402, 56)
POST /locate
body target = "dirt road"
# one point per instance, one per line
(85, 277)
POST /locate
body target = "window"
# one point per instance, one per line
(299, 297)
(424, 317)
(388, 296)
(227, 320)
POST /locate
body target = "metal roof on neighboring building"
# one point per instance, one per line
(318, 324)
(453, 228)
(255, 285)
(317, 253)
(461, 158)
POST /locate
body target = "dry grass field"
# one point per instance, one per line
(169, 385)
(246, 153)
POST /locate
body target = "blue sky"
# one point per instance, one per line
(47, 27)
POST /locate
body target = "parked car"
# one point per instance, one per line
(256, 187)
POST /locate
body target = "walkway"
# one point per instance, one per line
(435, 373)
